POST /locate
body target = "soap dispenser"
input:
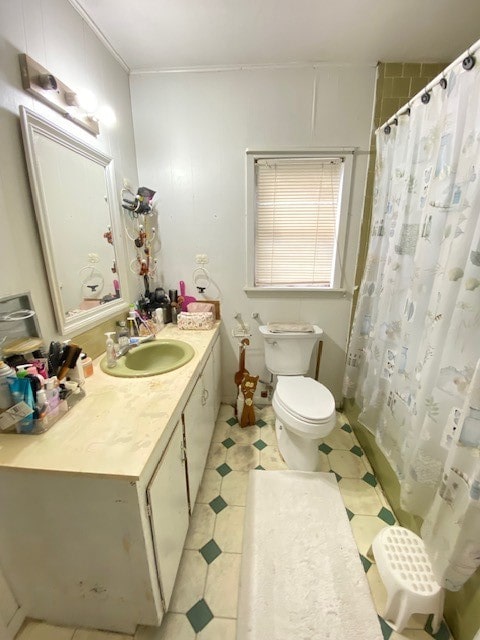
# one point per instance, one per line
(110, 348)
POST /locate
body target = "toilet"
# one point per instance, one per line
(304, 408)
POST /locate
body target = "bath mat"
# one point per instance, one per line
(301, 575)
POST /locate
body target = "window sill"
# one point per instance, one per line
(302, 292)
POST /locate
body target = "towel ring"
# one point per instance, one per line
(201, 279)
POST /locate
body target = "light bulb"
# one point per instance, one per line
(106, 115)
(86, 100)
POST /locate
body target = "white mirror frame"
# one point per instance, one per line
(32, 123)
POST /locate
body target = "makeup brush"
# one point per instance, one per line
(71, 355)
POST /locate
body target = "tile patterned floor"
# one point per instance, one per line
(204, 601)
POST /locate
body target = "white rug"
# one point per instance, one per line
(301, 576)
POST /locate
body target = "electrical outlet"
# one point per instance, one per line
(201, 258)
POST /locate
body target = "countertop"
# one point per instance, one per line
(114, 430)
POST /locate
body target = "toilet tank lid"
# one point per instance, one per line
(305, 397)
(292, 329)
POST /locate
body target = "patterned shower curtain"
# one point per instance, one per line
(413, 359)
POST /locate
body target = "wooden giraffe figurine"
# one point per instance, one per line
(248, 386)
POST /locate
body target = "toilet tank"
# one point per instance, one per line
(289, 353)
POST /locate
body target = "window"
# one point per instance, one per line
(297, 217)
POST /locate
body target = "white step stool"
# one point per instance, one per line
(406, 572)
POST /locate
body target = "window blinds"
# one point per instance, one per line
(297, 208)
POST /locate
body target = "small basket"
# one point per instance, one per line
(196, 321)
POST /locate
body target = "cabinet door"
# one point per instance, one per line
(199, 423)
(167, 497)
(217, 378)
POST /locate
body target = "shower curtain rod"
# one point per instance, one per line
(469, 52)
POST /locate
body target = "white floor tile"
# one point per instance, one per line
(234, 488)
(365, 528)
(35, 630)
(360, 497)
(221, 592)
(228, 532)
(220, 431)
(201, 526)
(175, 626)
(89, 634)
(347, 464)
(339, 439)
(271, 459)
(190, 582)
(216, 455)
(219, 629)
(268, 435)
(210, 486)
(243, 457)
(243, 435)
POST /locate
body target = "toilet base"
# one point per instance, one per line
(299, 453)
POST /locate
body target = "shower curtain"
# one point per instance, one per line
(413, 358)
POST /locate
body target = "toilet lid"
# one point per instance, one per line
(305, 398)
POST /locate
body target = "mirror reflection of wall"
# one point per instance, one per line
(77, 211)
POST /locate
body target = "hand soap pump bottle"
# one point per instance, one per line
(110, 348)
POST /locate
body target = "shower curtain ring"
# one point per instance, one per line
(468, 62)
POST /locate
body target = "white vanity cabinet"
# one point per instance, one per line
(95, 512)
(199, 421)
(167, 503)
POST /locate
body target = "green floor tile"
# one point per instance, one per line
(223, 469)
(210, 551)
(386, 515)
(442, 634)
(346, 427)
(261, 423)
(350, 514)
(366, 563)
(228, 443)
(232, 421)
(324, 448)
(337, 475)
(260, 468)
(370, 479)
(199, 615)
(218, 504)
(357, 451)
(386, 629)
(259, 444)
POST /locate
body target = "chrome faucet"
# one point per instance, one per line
(126, 348)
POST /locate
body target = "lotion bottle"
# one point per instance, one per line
(110, 348)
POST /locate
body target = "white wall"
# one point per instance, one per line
(53, 34)
(191, 132)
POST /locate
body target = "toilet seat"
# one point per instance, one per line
(305, 399)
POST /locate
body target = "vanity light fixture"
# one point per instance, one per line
(46, 87)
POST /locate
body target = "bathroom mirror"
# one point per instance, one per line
(75, 200)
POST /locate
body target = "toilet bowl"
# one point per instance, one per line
(304, 408)
(305, 414)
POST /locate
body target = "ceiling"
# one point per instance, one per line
(155, 35)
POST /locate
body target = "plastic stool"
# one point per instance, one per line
(406, 572)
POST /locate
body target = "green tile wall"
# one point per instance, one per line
(93, 340)
(397, 82)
